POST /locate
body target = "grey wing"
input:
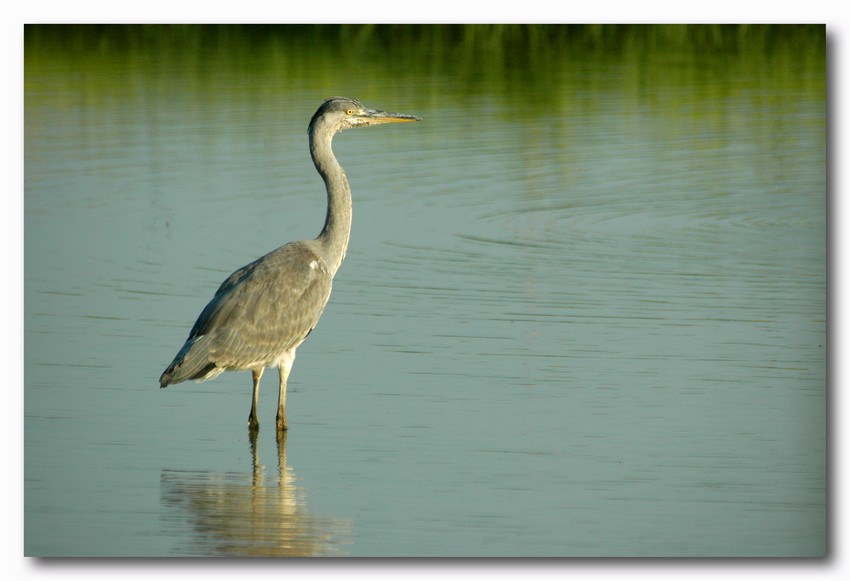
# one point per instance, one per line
(241, 273)
(264, 308)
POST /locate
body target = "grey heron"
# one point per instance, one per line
(263, 311)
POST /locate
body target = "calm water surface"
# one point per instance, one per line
(586, 325)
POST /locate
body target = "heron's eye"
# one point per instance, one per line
(350, 112)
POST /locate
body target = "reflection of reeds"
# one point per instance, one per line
(536, 69)
(492, 58)
(422, 39)
(528, 64)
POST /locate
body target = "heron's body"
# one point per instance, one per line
(262, 312)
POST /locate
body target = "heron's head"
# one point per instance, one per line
(338, 113)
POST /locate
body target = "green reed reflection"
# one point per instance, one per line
(527, 62)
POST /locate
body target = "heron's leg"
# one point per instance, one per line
(284, 368)
(253, 422)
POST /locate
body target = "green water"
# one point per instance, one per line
(582, 314)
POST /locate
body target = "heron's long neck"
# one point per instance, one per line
(334, 235)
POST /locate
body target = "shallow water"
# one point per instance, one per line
(591, 324)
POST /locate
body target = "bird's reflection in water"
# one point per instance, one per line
(248, 514)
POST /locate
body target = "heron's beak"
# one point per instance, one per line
(386, 117)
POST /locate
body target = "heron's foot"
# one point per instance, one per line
(253, 423)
